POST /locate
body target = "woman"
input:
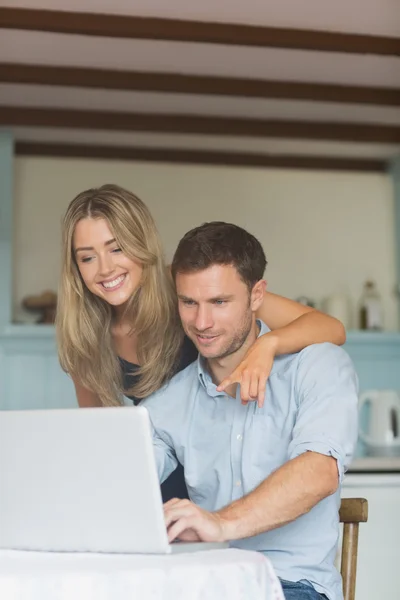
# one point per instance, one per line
(118, 327)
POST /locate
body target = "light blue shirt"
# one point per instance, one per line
(228, 449)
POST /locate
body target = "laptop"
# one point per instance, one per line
(82, 480)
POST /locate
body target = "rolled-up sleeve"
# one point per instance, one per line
(166, 460)
(327, 397)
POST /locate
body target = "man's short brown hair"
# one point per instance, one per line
(219, 243)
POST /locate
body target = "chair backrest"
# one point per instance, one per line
(352, 512)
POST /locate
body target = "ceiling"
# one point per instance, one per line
(312, 84)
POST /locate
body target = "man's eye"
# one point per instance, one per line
(219, 302)
(188, 302)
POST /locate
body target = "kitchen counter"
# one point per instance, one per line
(375, 464)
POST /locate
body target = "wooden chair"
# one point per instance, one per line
(353, 511)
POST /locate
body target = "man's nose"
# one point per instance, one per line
(204, 318)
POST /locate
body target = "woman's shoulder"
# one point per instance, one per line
(188, 354)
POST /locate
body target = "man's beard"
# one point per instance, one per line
(236, 342)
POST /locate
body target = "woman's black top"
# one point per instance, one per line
(174, 486)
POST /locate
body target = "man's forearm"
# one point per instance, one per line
(285, 495)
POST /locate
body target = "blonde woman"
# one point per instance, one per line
(118, 328)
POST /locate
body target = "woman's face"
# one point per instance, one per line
(105, 270)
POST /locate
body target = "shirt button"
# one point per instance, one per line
(239, 437)
(238, 483)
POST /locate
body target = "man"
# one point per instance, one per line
(268, 478)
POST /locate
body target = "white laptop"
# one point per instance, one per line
(82, 480)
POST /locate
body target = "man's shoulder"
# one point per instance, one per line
(184, 378)
(175, 390)
(324, 352)
(325, 364)
(314, 360)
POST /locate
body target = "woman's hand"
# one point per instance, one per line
(293, 327)
(254, 370)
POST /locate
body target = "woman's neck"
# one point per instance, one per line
(121, 321)
(125, 342)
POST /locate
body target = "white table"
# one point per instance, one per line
(229, 574)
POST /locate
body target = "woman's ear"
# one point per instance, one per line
(257, 294)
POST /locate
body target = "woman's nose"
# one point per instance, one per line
(106, 265)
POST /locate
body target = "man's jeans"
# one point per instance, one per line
(296, 590)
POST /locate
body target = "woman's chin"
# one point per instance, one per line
(116, 299)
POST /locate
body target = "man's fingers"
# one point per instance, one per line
(171, 502)
(177, 528)
(183, 525)
(174, 513)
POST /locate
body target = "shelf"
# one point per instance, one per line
(18, 330)
(354, 336)
(28, 339)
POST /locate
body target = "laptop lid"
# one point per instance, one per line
(80, 480)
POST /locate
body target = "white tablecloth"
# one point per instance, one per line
(210, 575)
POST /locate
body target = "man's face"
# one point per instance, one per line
(216, 309)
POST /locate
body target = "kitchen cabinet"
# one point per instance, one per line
(376, 358)
(30, 374)
(378, 571)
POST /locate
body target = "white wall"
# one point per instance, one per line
(322, 232)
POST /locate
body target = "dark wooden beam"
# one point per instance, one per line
(195, 84)
(123, 26)
(237, 159)
(201, 125)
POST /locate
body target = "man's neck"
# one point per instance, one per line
(220, 368)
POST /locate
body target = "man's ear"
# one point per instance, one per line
(257, 294)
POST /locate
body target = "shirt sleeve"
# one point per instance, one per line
(327, 398)
(166, 460)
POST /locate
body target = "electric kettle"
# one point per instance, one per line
(379, 422)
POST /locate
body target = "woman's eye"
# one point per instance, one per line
(117, 250)
(86, 259)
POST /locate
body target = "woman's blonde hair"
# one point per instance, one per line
(84, 320)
